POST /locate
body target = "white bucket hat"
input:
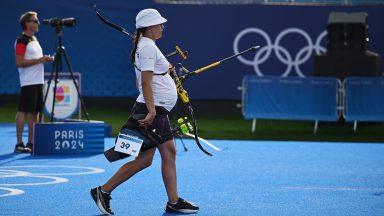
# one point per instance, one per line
(149, 17)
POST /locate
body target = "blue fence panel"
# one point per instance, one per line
(291, 98)
(364, 100)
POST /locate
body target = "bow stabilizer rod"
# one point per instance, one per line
(182, 78)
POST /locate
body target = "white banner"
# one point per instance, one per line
(66, 99)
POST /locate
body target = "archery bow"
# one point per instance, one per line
(183, 94)
(180, 90)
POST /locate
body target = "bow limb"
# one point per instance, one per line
(207, 143)
(132, 36)
(113, 25)
(196, 136)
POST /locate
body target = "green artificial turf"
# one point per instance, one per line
(238, 128)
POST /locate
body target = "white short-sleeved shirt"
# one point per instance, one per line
(149, 58)
(30, 48)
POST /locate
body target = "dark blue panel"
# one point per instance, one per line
(290, 98)
(69, 138)
(209, 33)
(100, 53)
(364, 100)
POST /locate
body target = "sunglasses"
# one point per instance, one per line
(35, 21)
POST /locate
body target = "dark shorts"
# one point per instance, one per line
(31, 99)
(161, 122)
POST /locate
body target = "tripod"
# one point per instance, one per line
(56, 67)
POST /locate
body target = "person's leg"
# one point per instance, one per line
(22, 110)
(168, 169)
(36, 106)
(20, 116)
(32, 118)
(175, 203)
(129, 169)
(102, 194)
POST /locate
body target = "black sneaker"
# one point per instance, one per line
(29, 148)
(20, 148)
(102, 200)
(182, 206)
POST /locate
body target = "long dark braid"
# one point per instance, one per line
(138, 34)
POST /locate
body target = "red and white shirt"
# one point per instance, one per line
(30, 48)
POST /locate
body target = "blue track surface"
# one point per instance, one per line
(250, 178)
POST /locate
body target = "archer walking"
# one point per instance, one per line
(157, 98)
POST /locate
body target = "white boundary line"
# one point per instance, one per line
(335, 189)
(93, 170)
(5, 172)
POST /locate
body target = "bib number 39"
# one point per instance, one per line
(125, 145)
(128, 144)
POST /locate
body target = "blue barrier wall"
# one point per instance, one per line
(311, 98)
(364, 99)
(290, 35)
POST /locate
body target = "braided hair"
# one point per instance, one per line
(138, 34)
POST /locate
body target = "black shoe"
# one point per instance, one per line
(102, 200)
(20, 148)
(29, 148)
(182, 206)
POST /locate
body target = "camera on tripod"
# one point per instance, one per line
(58, 63)
(56, 22)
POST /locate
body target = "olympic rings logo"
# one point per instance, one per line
(282, 54)
(9, 172)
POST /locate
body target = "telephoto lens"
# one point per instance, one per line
(55, 22)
